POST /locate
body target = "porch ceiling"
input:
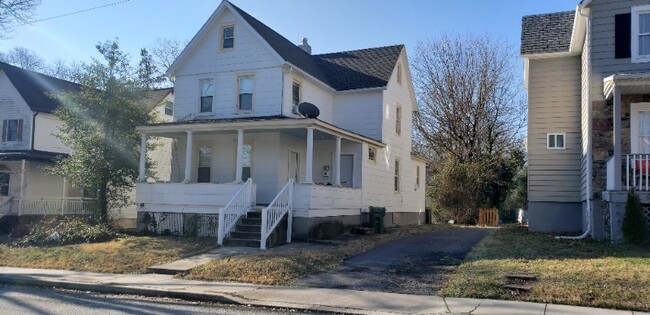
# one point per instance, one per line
(637, 83)
(294, 127)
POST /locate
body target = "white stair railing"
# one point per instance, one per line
(272, 215)
(239, 205)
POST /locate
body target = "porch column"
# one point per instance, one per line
(240, 156)
(310, 156)
(143, 157)
(337, 162)
(188, 158)
(618, 155)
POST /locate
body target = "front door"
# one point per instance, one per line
(294, 166)
(347, 170)
(640, 128)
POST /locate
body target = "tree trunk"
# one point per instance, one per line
(103, 202)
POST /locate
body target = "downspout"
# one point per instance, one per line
(588, 138)
(33, 128)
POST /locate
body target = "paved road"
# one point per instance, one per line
(26, 300)
(418, 264)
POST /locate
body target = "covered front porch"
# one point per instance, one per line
(628, 165)
(212, 160)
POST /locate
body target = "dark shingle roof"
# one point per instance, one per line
(546, 33)
(16, 155)
(347, 70)
(36, 88)
(153, 97)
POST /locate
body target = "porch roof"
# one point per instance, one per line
(267, 123)
(29, 155)
(630, 83)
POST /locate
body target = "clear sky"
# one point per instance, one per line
(330, 25)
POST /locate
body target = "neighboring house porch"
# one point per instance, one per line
(325, 165)
(627, 140)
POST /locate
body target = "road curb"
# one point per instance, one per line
(189, 296)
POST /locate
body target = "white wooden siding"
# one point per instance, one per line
(12, 106)
(554, 105)
(45, 130)
(359, 112)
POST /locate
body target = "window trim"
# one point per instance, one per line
(222, 41)
(371, 148)
(636, 11)
(399, 73)
(398, 119)
(237, 93)
(214, 92)
(299, 84)
(555, 134)
(19, 130)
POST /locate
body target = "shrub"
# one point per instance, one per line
(69, 230)
(635, 229)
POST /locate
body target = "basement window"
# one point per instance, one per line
(555, 141)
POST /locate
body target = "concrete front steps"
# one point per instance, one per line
(248, 231)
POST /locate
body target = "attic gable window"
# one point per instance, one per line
(641, 33)
(228, 37)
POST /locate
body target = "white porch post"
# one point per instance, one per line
(618, 155)
(143, 157)
(240, 156)
(188, 158)
(310, 156)
(337, 162)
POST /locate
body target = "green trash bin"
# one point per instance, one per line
(377, 215)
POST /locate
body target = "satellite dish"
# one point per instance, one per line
(308, 110)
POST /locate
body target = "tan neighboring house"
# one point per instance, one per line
(29, 143)
(587, 72)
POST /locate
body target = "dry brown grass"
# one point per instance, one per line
(285, 267)
(586, 273)
(123, 255)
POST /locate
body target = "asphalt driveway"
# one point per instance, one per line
(418, 264)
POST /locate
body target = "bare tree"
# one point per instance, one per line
(164, 52)
(471, 117)
(62, 70)
(23, 58)
(470, 104)
(14, 12)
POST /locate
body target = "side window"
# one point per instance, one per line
(417, 177)
(396, 183)
(640, 34)
(4, 183)
(169, 108)
(555, 141)
(228, 37)
(295, 93)
(245, 99)
(12, 130)
(398, 119)
(207, 95)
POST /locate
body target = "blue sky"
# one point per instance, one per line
(332, 25)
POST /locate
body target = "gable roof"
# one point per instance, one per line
(153, 97)
(547, 33)
(36, 88)
(346, 70)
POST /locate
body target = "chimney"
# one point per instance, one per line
(305, 46)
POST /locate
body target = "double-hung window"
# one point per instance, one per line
(641, 33)
(398, 120)
(245, 99)
(295, 93)
(169, 108)
(4, 183)
(12, 130)
(396, 183)
(207, 95)
(228, 37)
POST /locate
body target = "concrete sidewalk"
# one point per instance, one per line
(330, 300)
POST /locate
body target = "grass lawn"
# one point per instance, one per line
(130, 254)
(587, 273)
(284, 267)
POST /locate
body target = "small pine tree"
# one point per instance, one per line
(635, 229)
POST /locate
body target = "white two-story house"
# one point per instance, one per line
(29, 143)
(241, 139)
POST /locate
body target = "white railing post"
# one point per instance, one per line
(627, 172)
(290, 212)
(265, 213)
(220, 231)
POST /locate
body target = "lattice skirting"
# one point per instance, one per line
(178, 224)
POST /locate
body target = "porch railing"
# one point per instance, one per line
(55, 206)
(238, 206)
(273, 214)
(635, 173)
